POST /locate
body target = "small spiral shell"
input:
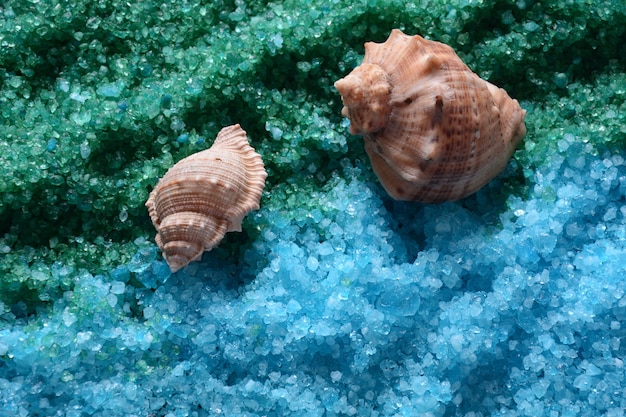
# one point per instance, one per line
(434, 131)
(206, 195)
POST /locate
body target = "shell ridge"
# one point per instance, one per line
(256, 183)
(383, 54)
(230, 134)
(249, 202)
(193, 227)
(152, 209)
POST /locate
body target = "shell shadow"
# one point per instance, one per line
(448, 229)
(224, 268)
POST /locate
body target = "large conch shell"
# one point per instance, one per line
(204, 196)
(434, 130)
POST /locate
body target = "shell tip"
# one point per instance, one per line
(366, 94)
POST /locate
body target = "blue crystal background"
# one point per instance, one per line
(335, 300)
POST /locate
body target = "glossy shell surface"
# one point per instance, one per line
(206, 195)
(434, 131)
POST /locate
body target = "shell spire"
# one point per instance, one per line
(434, 130)
(206, 195)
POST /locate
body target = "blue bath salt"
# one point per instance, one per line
(387, 335)
(122, 105)
(166, 101)
(52, 144)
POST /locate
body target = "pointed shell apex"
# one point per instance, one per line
(206, 195)
(366, 94)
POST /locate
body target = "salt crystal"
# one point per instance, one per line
(336, 376)
(85, 150)
(149, 312)
(69, 318)
(109, 90)
(117, 287)
(325, 249)
(312, 263)
(142, 259)
(111, 300)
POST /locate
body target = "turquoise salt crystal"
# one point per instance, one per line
(110, 90)
(85, 150)
(194, 87)
(122, 105)
(161, 271)
(166, 101)
(334, 300)
(560, 79)
(52, 144)
(142, 259)
(146, 70)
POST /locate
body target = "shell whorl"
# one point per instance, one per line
(365, 92)
(206, 195)
(446, 132)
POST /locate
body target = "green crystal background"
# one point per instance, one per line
(99, 98)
